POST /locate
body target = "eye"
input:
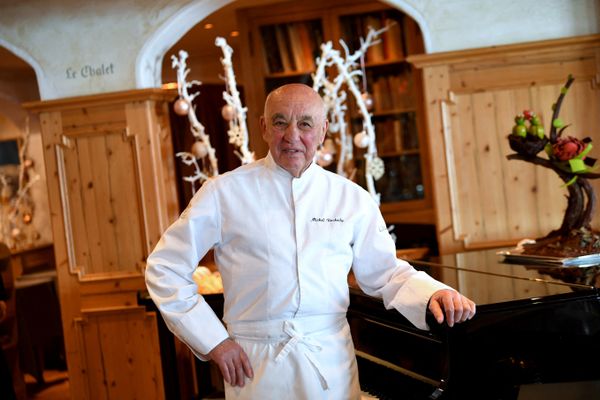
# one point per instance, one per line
(279, 123)
(305, 125)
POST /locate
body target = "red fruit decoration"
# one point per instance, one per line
(567, 156)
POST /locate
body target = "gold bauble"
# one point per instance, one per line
(6, 193)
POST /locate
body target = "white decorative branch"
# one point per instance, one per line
(16, 209)
(199, 176)
(185, 105)
(348, 71)
(334, 98)
(234, 112)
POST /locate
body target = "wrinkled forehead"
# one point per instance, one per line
(297, 103)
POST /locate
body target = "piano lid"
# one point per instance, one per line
(484, 277)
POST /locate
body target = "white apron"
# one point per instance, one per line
(308, 358)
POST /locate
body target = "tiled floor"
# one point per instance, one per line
(56, 386)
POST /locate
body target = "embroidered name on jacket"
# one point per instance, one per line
(335, 219)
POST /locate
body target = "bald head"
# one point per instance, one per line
(301, 91)
(294, 124)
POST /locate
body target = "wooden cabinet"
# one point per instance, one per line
(472, 96)
(280, 44)
(109, 163)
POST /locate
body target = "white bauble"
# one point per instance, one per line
(361, 140)
(227, 112)
(181, 107)
(368, 99)
(199, 150)
(324, 158)
(329, 146)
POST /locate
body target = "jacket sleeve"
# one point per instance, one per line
(380, 274)
(169, 274)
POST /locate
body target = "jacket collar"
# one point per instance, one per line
(273, 166)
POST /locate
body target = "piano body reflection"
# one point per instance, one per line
(536, 333)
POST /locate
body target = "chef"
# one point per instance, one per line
(285, 234)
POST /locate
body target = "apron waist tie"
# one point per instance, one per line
(295, 339)
(304, 331)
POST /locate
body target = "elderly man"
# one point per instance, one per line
(285, 234)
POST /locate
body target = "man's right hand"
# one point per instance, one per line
(232, 361)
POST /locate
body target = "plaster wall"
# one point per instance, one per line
(79, 48)
(450, 25)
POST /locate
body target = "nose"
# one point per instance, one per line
(291, 134)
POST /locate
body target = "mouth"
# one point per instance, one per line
(291, 152)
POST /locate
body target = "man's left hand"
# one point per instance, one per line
(454, 306)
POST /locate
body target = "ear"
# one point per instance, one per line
(324, 133)
(263, 127)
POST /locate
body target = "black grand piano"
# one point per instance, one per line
(536, 335)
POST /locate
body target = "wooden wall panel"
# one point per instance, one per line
(110, 200)
(122, 363)
(104, 223)
(481, 198)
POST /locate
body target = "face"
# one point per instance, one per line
(294, 125)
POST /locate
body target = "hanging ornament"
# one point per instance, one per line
(376, 168)
(27, 218)
(361, 140)
(324, 158)
(181, 107)
(15, 232)
(6, 193)
(199, 150)
(227, 112)
(28, 163)
(329, 146)
(368, 99)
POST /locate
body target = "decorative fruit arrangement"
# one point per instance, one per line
(568, 157)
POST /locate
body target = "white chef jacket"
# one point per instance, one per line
(284, 247)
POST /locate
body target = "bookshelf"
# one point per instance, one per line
(280, 44)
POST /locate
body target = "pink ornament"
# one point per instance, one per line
(199, 150)
(181, 107)
(227, 112)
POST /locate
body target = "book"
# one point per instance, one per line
(295, 47)
(307, 46)
(375, 53)
(392, 39)
(283, 48)
(272, 56)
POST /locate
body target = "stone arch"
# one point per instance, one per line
(148, 65)
(414, 10)
(45, 90)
